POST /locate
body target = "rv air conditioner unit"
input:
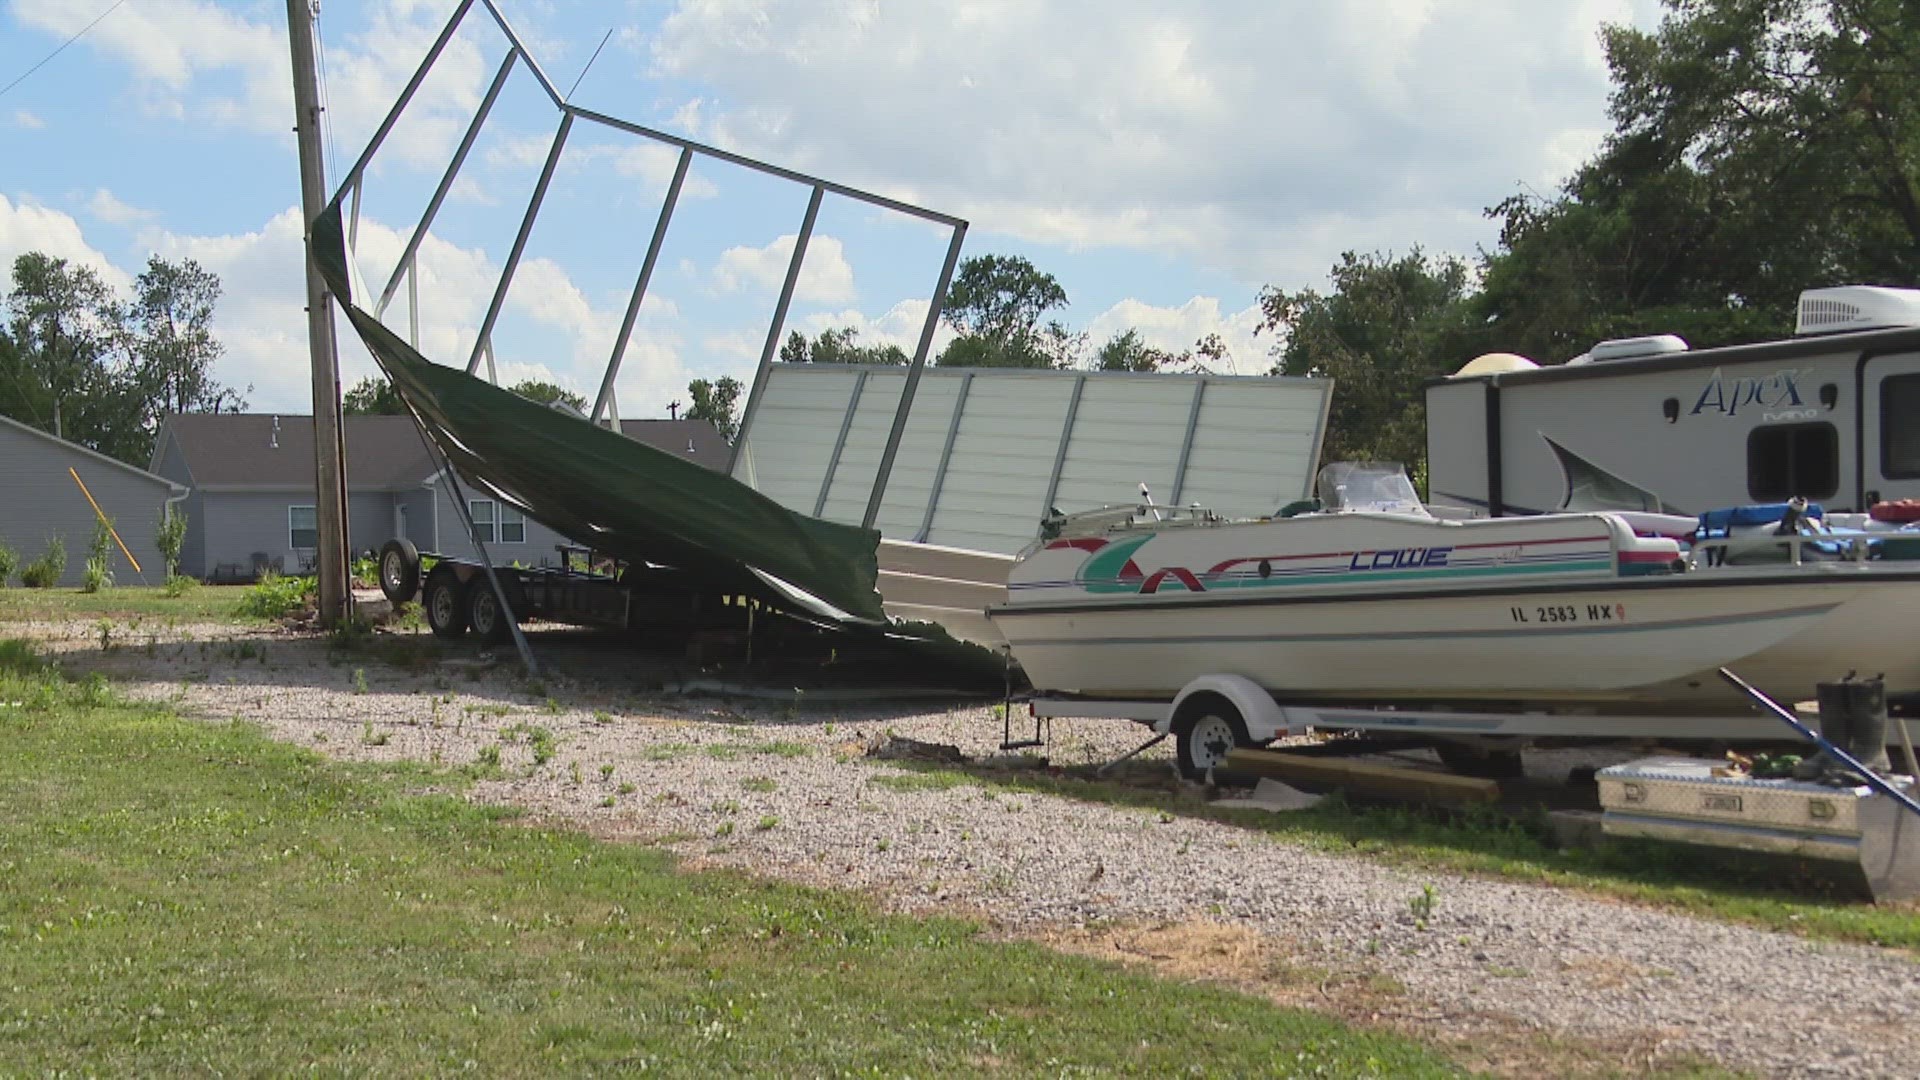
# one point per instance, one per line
(1623, 348)
(1856, 307)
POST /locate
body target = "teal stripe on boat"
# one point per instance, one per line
(1409, 575)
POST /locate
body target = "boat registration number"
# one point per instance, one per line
(1568, 613)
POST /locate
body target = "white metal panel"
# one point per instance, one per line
(1253, 449)
(996, 483)
(1126, 432)
(794, 428)
(1254, 446)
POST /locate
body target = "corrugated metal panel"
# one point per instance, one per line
(1252, 447)
(1127, 432)
(794, 428)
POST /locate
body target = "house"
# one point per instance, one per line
(250, 482)
(41, 480)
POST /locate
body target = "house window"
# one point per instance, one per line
(303, 528)
(1785, 460)
(1900, 427)
(497, 524)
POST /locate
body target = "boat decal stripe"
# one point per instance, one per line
(1325, 574)
(1456, 547)
(1530, 631)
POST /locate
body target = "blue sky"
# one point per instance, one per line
(1163, 161)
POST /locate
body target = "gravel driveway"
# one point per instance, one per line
(784, 788)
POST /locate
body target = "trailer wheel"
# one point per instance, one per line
(1208, 726)
(484, 614)
(446, 607)
(399, 570)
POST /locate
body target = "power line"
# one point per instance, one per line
(63, 47)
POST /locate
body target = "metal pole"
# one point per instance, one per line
(330, 504)
(946, 458)
(485, 340)
(1186, 442)
(446, 182)
(1873, 780)
(779, 321)
(1066, 439)
(840, 443)
(605, 397)
(900, 412)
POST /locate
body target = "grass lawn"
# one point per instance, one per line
(202, 603)
(187, 898)
(1777, 893)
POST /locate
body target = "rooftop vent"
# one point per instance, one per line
(1625, 348)
(1856, 307)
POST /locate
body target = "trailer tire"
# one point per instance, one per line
(1207, 726)
(445, 603)
(399, 570)
(488, 621)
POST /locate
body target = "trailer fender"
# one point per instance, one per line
(1264, 717)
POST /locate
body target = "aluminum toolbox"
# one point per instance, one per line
(1681, 799)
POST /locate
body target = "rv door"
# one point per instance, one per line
(1890, 428)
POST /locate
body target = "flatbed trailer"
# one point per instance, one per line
(588, 588)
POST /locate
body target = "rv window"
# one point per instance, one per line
(1785, 460)
(1900, 427)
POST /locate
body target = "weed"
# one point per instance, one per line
(767, 823)
(169, 537)
(1422, 904)
(573, 773)
(370, 737)
(179, 585)
(489, 756)
(725, 828)
(9, 562)
(606, 772)
(600, 717)
(276, 597)
(761, 784)
(539, 739)
(882, 844)
(552, 707)
(46, 571)
(625, 789)
(359, 680)
(608, 801)
(105, 628)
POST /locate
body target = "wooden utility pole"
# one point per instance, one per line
(330, 504)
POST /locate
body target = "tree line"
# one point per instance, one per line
(85, 362)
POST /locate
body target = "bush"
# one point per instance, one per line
(46, 571)
(276, 597)
(9, 562)
(179, 585)
(169, 537)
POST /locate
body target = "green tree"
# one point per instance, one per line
(63, 321)
(547, 393)
(372, 396)
(1388, 325)
(171, 325)
(1760, 147)
(1126, 351)
(841, 346)
(997, 302)
(715, 401)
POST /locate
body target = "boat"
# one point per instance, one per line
(1370, 598)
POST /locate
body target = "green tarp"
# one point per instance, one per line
(613, 493)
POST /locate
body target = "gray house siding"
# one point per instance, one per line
(39, 500)
(417, 508)
(248, 526)
(537, 550)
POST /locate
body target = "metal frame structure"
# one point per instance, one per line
(407, 268)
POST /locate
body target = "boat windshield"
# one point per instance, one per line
(1367, 485)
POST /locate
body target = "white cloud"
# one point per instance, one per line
(1227, 133)
(899, 325)
(195, 61)
(27, 226)
(1176, 329)
(27, 121)
(107, 207)
(825, 276)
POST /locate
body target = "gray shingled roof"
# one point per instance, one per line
(261, 450)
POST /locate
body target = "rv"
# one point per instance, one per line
(1831, 414)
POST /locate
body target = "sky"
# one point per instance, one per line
(1163, 161)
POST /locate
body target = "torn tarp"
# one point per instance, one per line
(614, 493)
